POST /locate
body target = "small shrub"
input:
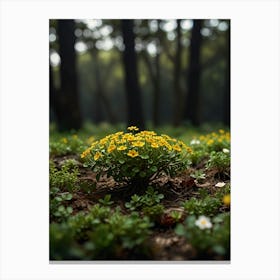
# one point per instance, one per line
(206, 206)
(219, 160)
(106, 201)
(66, 178)
(58, 204)
(100, 234)
(151, 197)
(198, 175)
(153, 212)
(207, 237)
(137, 157)
(67, 146)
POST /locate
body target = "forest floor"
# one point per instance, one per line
(185, 194)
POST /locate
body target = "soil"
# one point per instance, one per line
(165, 244)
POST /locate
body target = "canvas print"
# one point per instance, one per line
(139, 140)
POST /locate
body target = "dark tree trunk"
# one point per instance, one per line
(178, 94)
(226, 105)
(192, 111)
(154, 73)
(134, 102)
(156, 91)
(100, 92)
(69, 115)
(53, 102)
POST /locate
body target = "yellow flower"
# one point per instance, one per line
(138, 144)
(111, 148)
(132, 153)
(210, 142)
(90, 139)
(226, 200)
(122, 148)
(64, 140)
(75, 136)
(177, 148)
(154, 145)
(135, 128)
(221, 131)
(130, 138)
(85, 153)
(97, 156)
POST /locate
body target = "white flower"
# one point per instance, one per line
(195, 142)
(203, 222)
(226, 151)
(220, 184)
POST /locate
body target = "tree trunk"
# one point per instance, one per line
(69, 115)
(53, 102)
(154, 74)
(226, 105)
(100, 92)
(192, 111)
(178, 94)
(134, 102)
(156, 91)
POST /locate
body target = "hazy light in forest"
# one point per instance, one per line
(78, 32)
(152, 49)
(214, 22)
(223, 26)
(171, 36)
(105, 44)
(80, 47)
(119, 43)
(169, 25)
(187, 24)
(153, 25)
(52, 37)
(54, 58)
(96, 34)
(87, 33)
(93, 23)
(205, 32)
(106, 30)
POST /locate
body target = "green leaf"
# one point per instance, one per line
(135, 169)
(121, 161)
(61, 208)
(180, 230)
(68, 196)
(154, 168)
(69, 209)
(98, 176)
(220, 250)
(144, 156)
(142, 174)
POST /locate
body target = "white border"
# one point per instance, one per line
(24, 138)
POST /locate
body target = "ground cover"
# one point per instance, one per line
(127, 195)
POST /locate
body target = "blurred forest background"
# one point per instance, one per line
(139, 72)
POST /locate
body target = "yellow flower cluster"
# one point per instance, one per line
(134, 144)
(219, 137)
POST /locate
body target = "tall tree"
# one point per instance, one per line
(153, 67)
(192, 112)
(101, 96)
(51, 89)
(68, 115)
(134, 102)
(226, 105)
(178, 94)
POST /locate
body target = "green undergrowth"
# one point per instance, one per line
(124, 224)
